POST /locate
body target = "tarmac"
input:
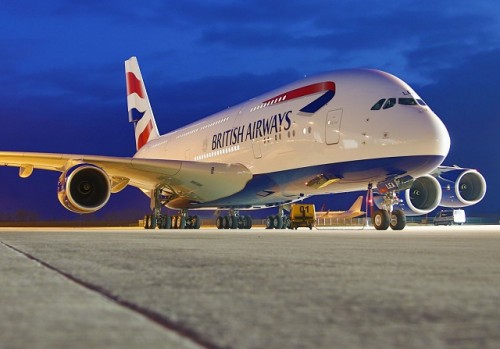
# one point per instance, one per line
(424, 287)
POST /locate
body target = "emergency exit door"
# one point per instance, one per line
(332, 129)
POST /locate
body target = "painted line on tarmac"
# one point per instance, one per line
(151, 315)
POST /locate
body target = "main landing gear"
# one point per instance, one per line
(164, 221)
(233, 220)
(279, 221)
(387, 216)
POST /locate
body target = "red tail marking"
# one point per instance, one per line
(134, 85)
(144, 136)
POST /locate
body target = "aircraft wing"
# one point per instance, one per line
(195, 181)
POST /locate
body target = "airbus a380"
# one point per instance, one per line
(336, 132)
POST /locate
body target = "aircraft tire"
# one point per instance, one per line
(248, 222)
(286, 222)
(277, 222)
(269, 222)
(232, 222)
(181, 221)
(225, 222)
(195, 222)
(147, 218)
(219, 222)
(381, 220)
(166, 222)
(398, 220)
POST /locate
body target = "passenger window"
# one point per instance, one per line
(407, 101)
(378, 105)
(391, 102)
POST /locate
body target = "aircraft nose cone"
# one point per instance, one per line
(438, 136)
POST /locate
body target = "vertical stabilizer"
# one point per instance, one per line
(139, 109)
(356, 207)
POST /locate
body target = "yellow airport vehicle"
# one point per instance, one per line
(302, 215)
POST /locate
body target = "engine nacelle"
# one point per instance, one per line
(83, 188)
(461, 187)
(421, 198)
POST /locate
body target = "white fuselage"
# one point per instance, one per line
(342, 146)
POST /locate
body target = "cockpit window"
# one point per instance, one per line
(407, 101)
(378, 105)
(391, 102)
(386, 103)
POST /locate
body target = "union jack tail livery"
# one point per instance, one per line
(139, 109)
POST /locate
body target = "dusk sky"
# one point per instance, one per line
(62, 72)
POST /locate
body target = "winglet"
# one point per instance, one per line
(139, 108)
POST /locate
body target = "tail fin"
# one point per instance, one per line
(356, 207)
(139, 109)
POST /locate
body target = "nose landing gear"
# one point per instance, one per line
(388, 216)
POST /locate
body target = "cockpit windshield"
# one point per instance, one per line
(407, 101)
(386, 103)
(391, 102)
(379, 104)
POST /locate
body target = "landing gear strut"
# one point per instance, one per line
(387, 216)
(233, 220)
(165, 221)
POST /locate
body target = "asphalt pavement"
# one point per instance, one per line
(420, 288)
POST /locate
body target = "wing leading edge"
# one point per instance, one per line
(195, 181)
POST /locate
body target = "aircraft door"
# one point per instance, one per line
(332, 127)
(256, 149)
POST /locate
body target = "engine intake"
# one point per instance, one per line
(84, 188)
(462, 187)
(424, 195)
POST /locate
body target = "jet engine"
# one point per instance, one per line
(83, 188)
(421, 198)
(461, 187)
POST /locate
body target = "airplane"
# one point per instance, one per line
(353, 212)
(336, 132)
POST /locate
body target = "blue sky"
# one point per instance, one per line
(62, 71)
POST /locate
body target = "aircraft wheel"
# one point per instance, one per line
(398, 220)
(166, 222)
(248, 222)
(219, 223)
(269, 222)
(277, 222)
(241, 222)
(195, 222)
(225, 222)
(381, 220)
(147, 219)
(181, 221)
(286, 222)
(153, 222)
(232, 222)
